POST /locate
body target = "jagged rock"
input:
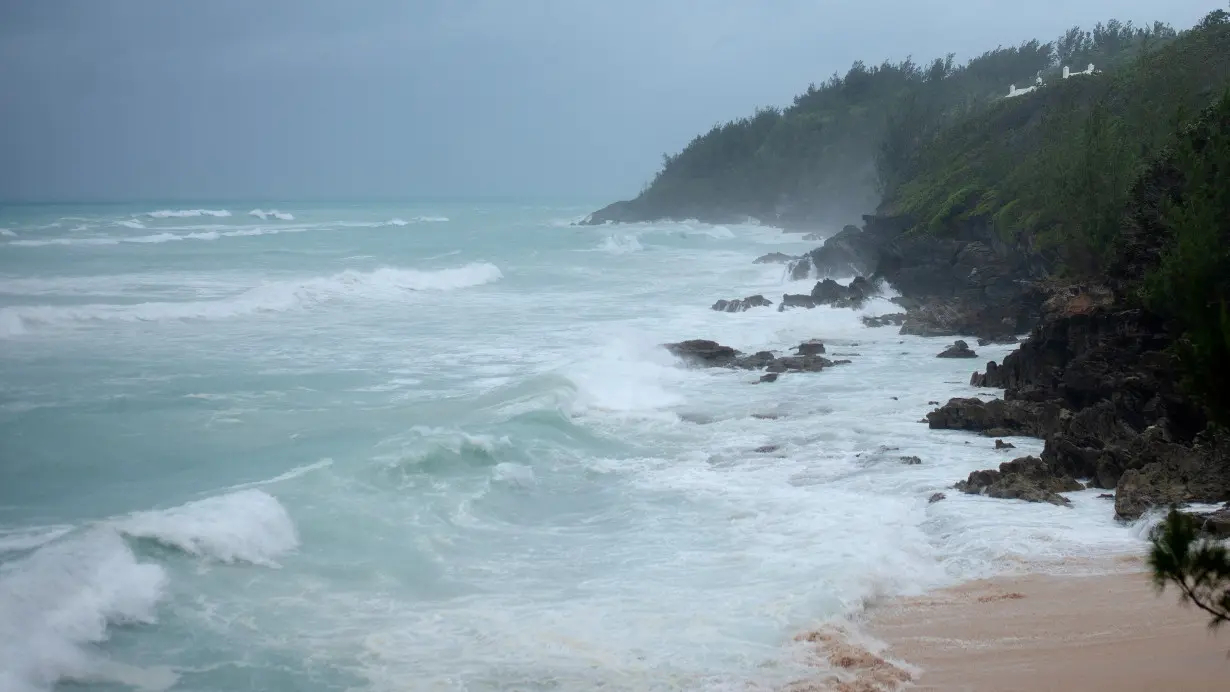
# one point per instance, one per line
(774, 258)
(936, 497)
(1007, 339)
(812, 347)
(704, 352)
(1000, 444)
(829, 292)
(959, 349)
(768, 377)
(800, 268)
(895, 319)
(798, 364)
(1027, 478)
(1163, 473)
(911, 461)
(999, 417)
(767, 449)
(796, 301)
(848, 253)
(1215, 523)
(747, 303)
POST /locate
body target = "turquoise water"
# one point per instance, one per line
(438, 447)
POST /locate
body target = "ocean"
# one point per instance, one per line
(440, 447)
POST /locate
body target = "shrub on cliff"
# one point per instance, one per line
(1191, 284)
(1198, 567)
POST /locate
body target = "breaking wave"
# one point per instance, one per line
(69, 592)
(272, 214)
(621, 244)
(184, 213)
(245, 526)
(384, 284)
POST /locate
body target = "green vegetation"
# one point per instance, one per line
(1199, 568)
(1191, 284)
(903, 132)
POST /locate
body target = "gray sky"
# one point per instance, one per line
(306, 99)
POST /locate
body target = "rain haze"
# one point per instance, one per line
(323, 100)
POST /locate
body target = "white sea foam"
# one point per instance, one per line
(19, 539)
(396, 222)
(185, 213)
(130, 223)
(62, 598)
(385, 284)
(244, 526)
(7, 233)
(272, 214)
(431, 219)
(620, 244)
(155, 238)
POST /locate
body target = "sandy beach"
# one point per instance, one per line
(1038, 632)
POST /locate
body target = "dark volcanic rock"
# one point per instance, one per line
(1027, 478)
(747, 303)
(829, 292)
(812, 347)
(768, 377)
(704, 352)
(800, 268)
(895, 319)
(796, 301)
(1000, 444)
(911, 461)
(1006, 339)
(849, 253)
(798, 364)
(959, 349)
(1163, 473)
(936, 498)
(774, 258)
(999, 417)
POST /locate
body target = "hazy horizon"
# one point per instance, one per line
(315, 101)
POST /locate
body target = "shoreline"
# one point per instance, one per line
(1038, 631)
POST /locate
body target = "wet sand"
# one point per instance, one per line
(1036, 633)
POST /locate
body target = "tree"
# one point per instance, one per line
(1199, 567)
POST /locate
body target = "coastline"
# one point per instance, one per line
(1109, 631)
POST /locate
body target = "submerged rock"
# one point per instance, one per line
(768, 377)
(1000, 444)
(703, 352)
(936, 498)
(911, 461)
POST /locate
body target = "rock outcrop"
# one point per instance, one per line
(796, 300)
(959, 349)
(774, 258)
(1027, 478)
(710, 354)
(740, 305)
(891, 320)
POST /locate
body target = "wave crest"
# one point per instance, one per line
(385, 284)
(185, 213)
(272, 214)
(245, 526)
(64, 597)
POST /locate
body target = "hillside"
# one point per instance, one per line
(841, 146)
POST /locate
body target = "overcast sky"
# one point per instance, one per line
(411, 99)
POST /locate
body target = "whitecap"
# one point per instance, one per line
(272, 214)
(184, 213)
(64, 597)
(620, 244)
(384, 284)
(244, 526)
(7, 233)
